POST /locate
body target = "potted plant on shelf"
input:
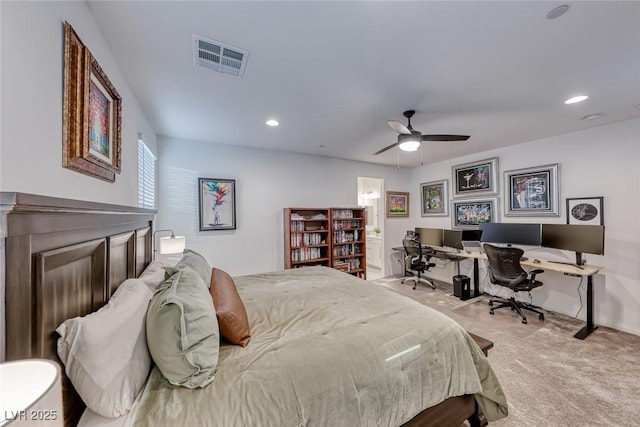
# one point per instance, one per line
(377, 231)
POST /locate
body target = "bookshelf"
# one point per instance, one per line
(306, 237)
(348, 247)
(334, 237)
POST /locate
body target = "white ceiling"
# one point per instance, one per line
(333, 73)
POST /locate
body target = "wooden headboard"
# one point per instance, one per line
(63, 258)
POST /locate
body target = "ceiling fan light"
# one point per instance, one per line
(410, 145)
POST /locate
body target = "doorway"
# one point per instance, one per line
(370, 197)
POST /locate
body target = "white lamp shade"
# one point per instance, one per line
(172, 245)
(411, 145)
(31, 393)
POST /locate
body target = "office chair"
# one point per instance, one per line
(505, 270)
(416, 261)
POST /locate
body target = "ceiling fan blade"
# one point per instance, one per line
(386, 148)
(399, 127)
(445, 137)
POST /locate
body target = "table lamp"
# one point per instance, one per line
(169, 245)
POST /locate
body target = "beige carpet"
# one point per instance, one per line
(549, 377)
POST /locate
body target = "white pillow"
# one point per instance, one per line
(105, 353)
(155, 273)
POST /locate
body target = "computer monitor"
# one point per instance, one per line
(576, 238)
(468, 235)
(511, 233)
(430, 236)
(452, 239)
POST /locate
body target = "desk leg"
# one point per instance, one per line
(590, 327)
(476, 278)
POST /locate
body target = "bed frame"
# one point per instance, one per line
(64, 258)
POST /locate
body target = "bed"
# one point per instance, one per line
(65, 258)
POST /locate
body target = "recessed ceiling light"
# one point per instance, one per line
(273, 123)
(575, 99)
(592, 116)
(558, 11)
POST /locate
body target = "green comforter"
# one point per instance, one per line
(328, 349)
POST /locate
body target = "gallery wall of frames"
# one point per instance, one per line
(477, 190)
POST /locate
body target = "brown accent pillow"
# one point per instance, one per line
(232, 316)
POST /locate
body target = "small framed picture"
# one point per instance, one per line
(476, 178)
(217, 199)
(435, 198)
(397, 204)
(585, 211)
(468, 214)
(532, 191)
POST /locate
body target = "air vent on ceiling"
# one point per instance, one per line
(219, 57)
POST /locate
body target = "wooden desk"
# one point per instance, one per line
(567, 269)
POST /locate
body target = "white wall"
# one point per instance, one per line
(31, 81)
(602, 161)
(32, 98)
(267, 182)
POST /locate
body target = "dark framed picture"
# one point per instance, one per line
(585, 210)
(217, 204)
(397, 204)
(435, 198)
(476, 178)
(468, 214)
(532, 191)
(92, 113)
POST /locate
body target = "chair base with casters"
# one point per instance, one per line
(417, 279)
(516, 306)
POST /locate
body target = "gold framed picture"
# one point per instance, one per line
(92, 113)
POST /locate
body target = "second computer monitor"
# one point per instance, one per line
(452, 239)
(430, 236)
(511, 233)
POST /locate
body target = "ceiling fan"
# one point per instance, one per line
(410, 139)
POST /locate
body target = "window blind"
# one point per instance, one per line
(146, 176)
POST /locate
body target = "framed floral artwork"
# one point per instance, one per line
(397, 204)
(217, 200)
(435, 198)
(92, 113)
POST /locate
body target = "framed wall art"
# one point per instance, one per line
(468, 214)
(435, 198)
(92, 113)
(476, 178)
(217, 199)
(585, 210)
(532, 191)
(397, 204)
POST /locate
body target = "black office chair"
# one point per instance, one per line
(416, 261)
(505, 270)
